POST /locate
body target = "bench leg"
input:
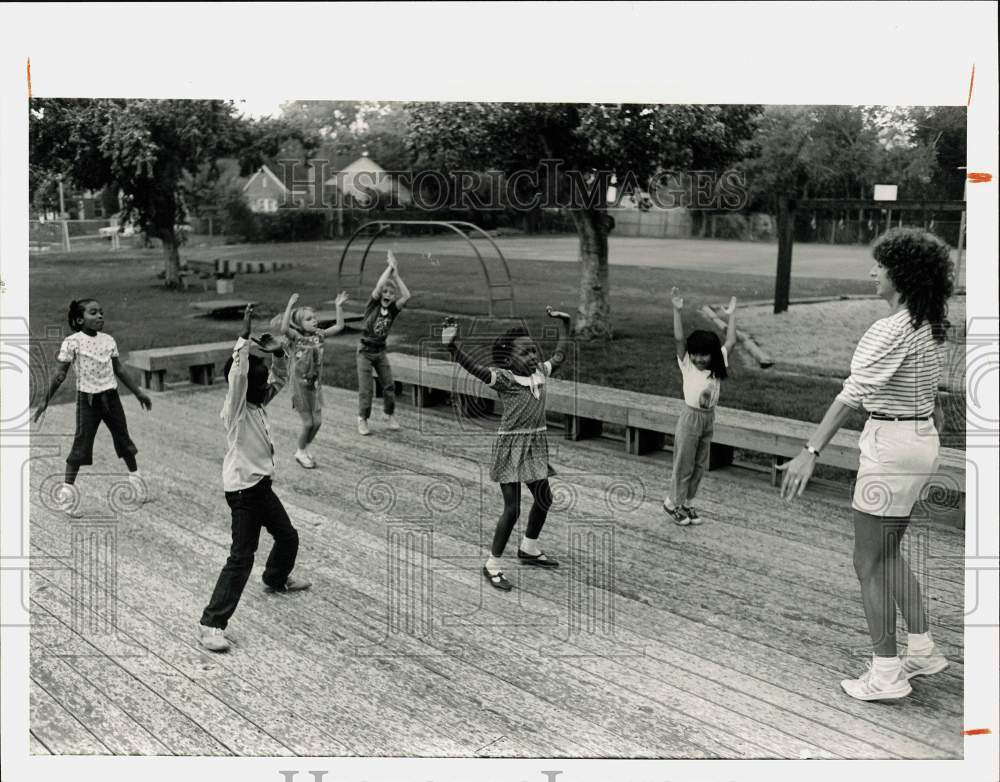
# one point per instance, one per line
(425, 397)
(776, 461)
(720, 456)
(578, 428)
(640, 441)
(202, 375)
(153, 380)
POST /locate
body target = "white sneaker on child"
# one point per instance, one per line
(392, 423)
(67, 499)
(142, 489)
(212, 638)
(363, 426)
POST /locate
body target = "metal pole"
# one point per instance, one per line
(961, 234)
(62, 201)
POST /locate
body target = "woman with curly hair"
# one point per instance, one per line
(894, 376)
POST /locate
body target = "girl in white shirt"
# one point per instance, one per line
(94, 358)
(702, 359)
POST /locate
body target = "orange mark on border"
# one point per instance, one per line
(972, 80)
(977, 732)
(29, 78)
(978, 177)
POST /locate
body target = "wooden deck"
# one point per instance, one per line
(654, 641)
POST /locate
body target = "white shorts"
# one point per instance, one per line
(897, 459)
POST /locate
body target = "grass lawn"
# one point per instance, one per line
(140, 313)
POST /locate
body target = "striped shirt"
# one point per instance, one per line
(895, 369)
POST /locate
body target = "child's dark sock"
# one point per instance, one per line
(72, 470)
(131, 463)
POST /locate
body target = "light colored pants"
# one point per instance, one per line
(692, 442)
(897, 458)
(380, 361)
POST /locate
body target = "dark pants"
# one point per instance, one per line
(91, 410)
(380, 362)
(252, 509)
(542, 496)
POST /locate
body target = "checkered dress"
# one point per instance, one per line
(521, 448)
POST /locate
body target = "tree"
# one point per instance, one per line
(150, 150)
(570, 152)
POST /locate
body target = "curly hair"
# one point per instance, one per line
(919, 266)
(76, 308)
(503, 344)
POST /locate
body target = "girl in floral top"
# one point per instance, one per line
(521, 449)
(305, 346)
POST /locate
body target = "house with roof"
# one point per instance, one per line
(361, 180)
(265, 191)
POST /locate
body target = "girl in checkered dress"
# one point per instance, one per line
(521, 449)
(94, 358)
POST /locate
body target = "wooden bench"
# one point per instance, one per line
(647, 418)
(199, 361)
(222, 307)
(237, 266)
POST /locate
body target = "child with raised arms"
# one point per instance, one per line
(521, 449)
(703, 360)
(306, 341)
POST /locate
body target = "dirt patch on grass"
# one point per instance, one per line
(819, 338)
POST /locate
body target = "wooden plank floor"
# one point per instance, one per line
(652, 640)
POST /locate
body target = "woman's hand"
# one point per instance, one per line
(797, 474)
(144, 401)
(676, 299)
(731, 308)
(341, 298)
(449, 332)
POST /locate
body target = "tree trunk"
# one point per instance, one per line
(594, 313)
(171, 259)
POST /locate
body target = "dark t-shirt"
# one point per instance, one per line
(376, 325)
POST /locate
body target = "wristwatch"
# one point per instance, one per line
(811, 450)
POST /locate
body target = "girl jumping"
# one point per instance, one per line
(703, 361)
(388, 297)
(305, 345)
(94, 358)
(521, 449)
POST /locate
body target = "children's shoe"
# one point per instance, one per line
(539, 560)
(292, 584)
(392, 423)
(923, 664)
(212, 638)
(677, 514)
(497, 580)
(868, 688)
(143, 494)
(692, 514)
(305, 460)
(67, 499)
(363, 426)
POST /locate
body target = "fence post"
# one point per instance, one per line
(65, 235)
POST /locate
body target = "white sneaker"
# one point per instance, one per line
(305, 460)
(363, 426)
(213, 639)
(392, 423)
(143, 493)
(924, 664)
(67, 498)
(868, 688)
